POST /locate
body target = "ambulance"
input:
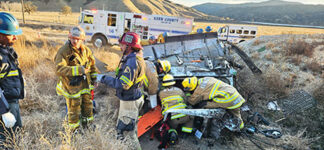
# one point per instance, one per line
(106, 27)
(236, 34)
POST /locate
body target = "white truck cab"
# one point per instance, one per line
(236, 34)
(105, 27)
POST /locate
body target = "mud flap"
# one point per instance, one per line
(148, 120)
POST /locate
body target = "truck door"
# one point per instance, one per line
(86, 22)
(112, 27)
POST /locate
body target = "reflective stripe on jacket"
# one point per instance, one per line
(71, 63)
(225, 95)
(172, 98)
(129, 79)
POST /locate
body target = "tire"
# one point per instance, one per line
(99, 40)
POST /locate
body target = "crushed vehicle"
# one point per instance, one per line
(200, 55)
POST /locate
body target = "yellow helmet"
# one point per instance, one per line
(190, 83)
(168, 80)
(166, 65)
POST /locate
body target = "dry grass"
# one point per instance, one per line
(49, 17)
(298, 141)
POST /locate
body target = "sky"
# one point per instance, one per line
(190, 3)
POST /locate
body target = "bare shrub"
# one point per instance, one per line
(314, 66)
(255, 55)
(256, 42)
(274, 81)
(296, 60)
(270, 45)
(275, 50)
(268, 56)
(66, 10)
(30, 7)
(299, 47)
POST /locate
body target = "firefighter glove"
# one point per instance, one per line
(8, 119)
(202, 104)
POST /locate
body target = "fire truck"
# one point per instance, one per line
(106, 27)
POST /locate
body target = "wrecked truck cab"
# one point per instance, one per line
(200, 55)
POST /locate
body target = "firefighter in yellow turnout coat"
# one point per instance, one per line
(174, 98)
(151, 80)
(217, 94)
(75, 66)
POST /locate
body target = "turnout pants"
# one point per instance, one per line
(77, 107)
(236, 112)
(127, 118)
(186, 122)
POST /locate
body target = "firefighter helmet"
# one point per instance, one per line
(190, 83)
(9, 24)
(168, 80)
(77, 33)
(131, 39)
(166, 65)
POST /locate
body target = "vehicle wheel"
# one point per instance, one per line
(99, 41)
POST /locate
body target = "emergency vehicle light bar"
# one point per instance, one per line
(137, 16)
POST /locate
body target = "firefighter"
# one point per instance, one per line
(151, 80)
(11, 79)
(128, 84)
(210, 92)
(161, 37)
(152, 40)
(174, 98)
(75, 67)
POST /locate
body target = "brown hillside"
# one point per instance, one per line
(163, 7)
